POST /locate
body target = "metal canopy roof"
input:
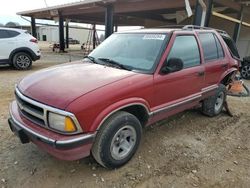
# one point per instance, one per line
(127, 12)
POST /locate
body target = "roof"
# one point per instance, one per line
(151, 30)
(82, 2)
(128, 12)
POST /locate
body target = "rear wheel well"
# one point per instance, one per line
(139, 112)
(226, 79)
(24, 51)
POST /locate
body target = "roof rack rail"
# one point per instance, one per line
(186, 27)
(192, 27)
(204, 28)
(222, 32)
(171, 26)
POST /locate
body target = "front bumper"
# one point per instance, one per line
(61, 146)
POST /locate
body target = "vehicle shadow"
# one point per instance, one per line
(5, 67)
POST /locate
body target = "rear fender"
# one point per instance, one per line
(228, 74)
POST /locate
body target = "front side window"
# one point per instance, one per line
(186, 48)
(136, 50)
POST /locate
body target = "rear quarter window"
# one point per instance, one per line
(232, 47)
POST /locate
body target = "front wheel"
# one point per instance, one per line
(213, 105)
(22, 61)
(117, 140)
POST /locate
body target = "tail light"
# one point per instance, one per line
(34, 40)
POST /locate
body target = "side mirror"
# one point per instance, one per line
(172, 65)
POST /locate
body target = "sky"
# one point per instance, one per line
(9, 8)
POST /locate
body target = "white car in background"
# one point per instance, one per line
(18, 48)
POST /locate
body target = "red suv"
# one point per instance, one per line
(133, 79)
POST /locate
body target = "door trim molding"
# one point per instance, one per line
(197, 96)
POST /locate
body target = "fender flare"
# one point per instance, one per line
(110, 110)
(22, 49)
(228, 72)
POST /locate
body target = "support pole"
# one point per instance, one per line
(67, 35)
(116, 28)
(209, 12)
(237, 27)
(33, 27)
(94, 36)
(109, 20)
(61, 33)
(200, 13)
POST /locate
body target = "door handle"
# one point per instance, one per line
(201, 73)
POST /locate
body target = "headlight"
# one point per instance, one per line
(61, 123)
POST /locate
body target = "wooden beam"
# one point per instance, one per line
(120, 20)
(149, 5)
(229, 4)
(78, 11)
(145, 15)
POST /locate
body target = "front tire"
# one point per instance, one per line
(117, 140)
(22, 61)
(213, 105)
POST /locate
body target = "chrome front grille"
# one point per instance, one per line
(30, 111)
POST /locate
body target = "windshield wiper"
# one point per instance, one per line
(92, 59)
(115, 63)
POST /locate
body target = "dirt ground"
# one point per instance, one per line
(187, 150)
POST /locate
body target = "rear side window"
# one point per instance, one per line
(211, 46)
(8, 34)
(13, 34)
(186, 48)
(219, 48)
(4, 34)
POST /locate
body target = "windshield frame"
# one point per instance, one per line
(161, 50)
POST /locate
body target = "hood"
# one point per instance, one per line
(60, 85)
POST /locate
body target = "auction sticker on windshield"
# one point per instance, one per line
(154, 37)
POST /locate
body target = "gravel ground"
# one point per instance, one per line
(187, 150)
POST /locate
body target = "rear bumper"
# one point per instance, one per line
(36, 57)
(60, 146)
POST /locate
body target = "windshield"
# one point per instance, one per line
(135, 50)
